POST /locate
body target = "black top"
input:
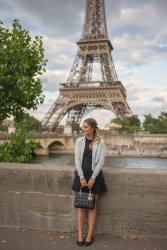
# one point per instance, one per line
(87, 158)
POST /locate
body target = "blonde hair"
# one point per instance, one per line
(96, 136)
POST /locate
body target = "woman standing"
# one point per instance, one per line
(90, 151)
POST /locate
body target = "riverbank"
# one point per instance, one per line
(122, 153)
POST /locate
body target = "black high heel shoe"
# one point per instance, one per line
(80, 243)
(88, 243)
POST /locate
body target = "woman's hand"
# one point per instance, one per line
(91, 183)
(83, 182)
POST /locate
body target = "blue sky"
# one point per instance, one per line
(137, 30)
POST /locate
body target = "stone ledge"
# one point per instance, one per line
(40, 197)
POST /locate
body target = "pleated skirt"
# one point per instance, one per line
(98, 187)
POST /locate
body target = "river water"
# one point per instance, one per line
(113, 162)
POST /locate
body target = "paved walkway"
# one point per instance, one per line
(27, 239)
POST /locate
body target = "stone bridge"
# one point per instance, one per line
(49, 142)
(125, 144)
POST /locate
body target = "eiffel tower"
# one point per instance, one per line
(81, 94)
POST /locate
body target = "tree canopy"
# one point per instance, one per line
(22, 62)
(29, 123)
(129, 124)
(156, 125)
(151, 124)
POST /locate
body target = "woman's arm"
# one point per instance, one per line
(77, 159)
(101, 160)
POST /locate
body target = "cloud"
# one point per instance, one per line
(54, 17)
(58, 53)
(146, 100)
(125, 70)
(138, 49)
(137, 19)
(159, 99)
(52, 79)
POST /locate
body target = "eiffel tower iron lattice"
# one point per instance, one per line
(81, 94)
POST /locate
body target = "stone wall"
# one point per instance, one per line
(136, 140)
(40, 197)
(136, 145)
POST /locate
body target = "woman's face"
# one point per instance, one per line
(87, 129)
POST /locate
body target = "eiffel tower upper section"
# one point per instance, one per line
(94, 46)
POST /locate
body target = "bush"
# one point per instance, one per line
(19, 149)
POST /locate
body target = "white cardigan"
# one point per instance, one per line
(98, 156)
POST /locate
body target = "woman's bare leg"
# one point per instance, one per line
(80, 222)
(92, 220)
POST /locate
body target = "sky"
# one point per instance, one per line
(137, 30)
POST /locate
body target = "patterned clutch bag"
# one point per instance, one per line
(84, 200)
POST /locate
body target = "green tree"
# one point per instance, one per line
(163, 122)
(22, 62)
(129, 124)
(19, 149)
(29, 123)
(156, 125)
(150, 123)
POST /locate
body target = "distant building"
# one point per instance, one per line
(112, 127)
(67, 130)
(10, 125)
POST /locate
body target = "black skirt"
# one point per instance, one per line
(99, 185)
